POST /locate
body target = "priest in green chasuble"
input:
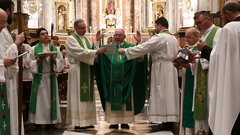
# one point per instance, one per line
(81, 109)
(121, 83)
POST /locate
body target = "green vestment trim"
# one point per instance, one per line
(36, 82)
(166, 32)
(188, 114)
(5, 127)
(86, 93)
(117, 76)
(200, 105)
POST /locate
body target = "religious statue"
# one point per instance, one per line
(60, 20)
(111, 7)
(159, 13)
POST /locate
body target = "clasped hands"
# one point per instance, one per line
(192, 54)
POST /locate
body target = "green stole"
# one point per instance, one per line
(36, 82)
(200, 104)
(188, 114)
(116, 77)
(86, 93)
(5, 127)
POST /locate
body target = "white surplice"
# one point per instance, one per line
(43, 105)
(79, 113)
(164, 99)
(10, 50)
(224, 76)
(205, 65)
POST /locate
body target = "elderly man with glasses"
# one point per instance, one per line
(210, 33)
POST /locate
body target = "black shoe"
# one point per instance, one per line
(125, 126)
(165, 126)
(114, 126)
(162, 127)
(89, 127)
(37, 127)
(77, 127)
(50, 127)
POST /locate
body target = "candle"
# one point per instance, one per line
(90, 29)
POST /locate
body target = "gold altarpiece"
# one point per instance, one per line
(158, 9)
(62, 13)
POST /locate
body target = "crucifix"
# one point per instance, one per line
(116, 79)
(118, 56)
(3, 105)
(34, 91)
(1, 84)
(116, 103)
(84, 87)
(4, 125)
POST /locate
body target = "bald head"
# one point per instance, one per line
(3, 19)
(119, 36)
(192, 35)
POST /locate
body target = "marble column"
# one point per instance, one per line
(71, 13)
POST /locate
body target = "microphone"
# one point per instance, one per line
(119, 46)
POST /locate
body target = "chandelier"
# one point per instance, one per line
(32, 7)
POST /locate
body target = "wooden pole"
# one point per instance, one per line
(20, 74)
(51, 83)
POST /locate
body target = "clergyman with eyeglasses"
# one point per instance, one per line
(81, 110)
(210, 33)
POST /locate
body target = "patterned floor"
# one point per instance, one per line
(141, 126)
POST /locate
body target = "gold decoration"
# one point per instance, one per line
(70, 30)
(201, 131)
(151, 31)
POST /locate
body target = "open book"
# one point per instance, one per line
(46, 54)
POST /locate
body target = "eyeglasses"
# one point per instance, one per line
(81, 27)
(3, 23)
(200, 22)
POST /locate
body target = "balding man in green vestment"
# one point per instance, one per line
(121, 83)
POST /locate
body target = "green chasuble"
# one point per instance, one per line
(188, 114)
(5, 127)
(200, 104)
(116, 76)
(86, 93)
(36, 82)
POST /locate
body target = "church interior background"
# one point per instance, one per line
(108, 15)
